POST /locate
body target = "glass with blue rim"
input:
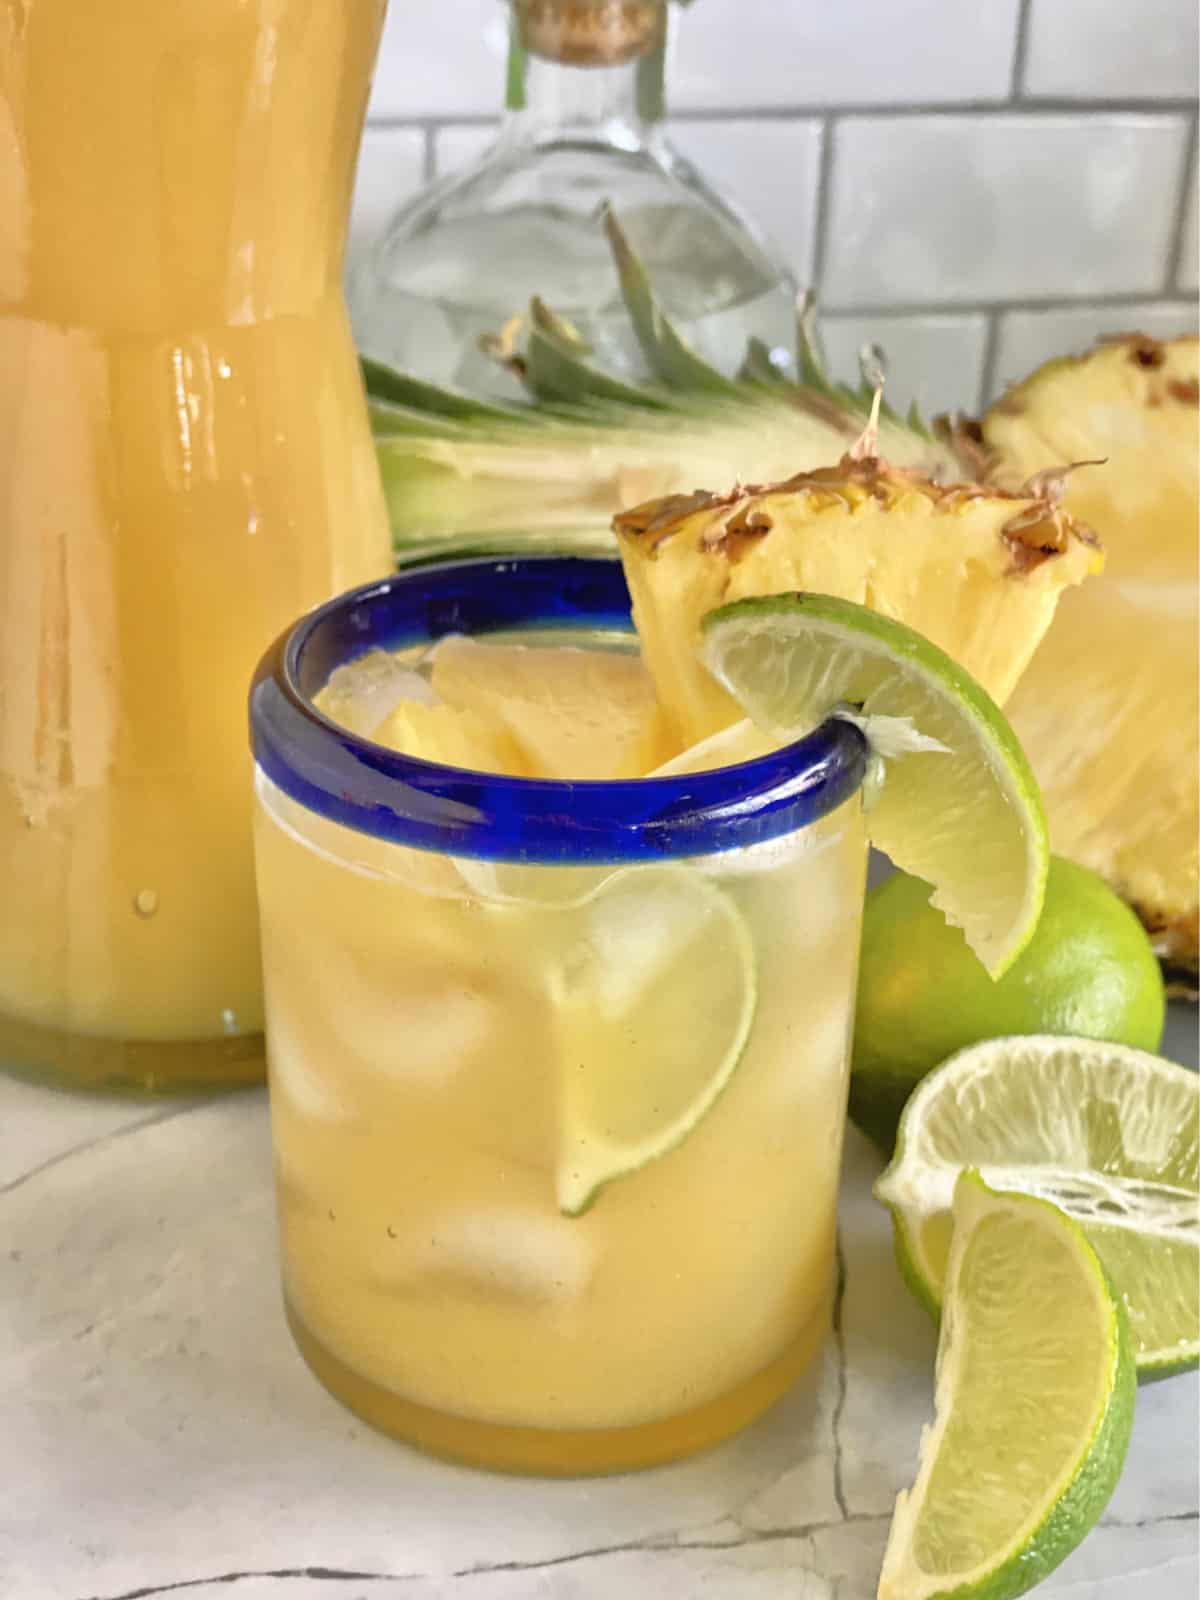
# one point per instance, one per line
(558, 1069)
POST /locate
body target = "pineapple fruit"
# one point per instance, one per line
(569, 713)
(977, 570)
(1108, 710)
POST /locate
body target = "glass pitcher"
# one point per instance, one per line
(185, 462)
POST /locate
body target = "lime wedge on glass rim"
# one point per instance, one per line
(953, 800)
(958, 804)
(1033, 1406)
(1108, 1134)
(654, 997)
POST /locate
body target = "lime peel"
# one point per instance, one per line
(977, 1479)
(1038, 1114)
(967, 817)
(654, 1037)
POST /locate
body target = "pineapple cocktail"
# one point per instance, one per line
(557, 1049)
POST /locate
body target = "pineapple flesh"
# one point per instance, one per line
(570, 713)
(978, 571)
(1109, 708)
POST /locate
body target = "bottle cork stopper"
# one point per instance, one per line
(591, 33)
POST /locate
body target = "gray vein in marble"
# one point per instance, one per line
(167, 1114)
(654, 1546)
(808, 1530)
(1088, 1585)
(839, 1404)
(317, 1574)
(651, 1547)
(1176, 1517)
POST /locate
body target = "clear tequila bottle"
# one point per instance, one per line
(583, 129)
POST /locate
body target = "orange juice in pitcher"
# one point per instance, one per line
(185, 462)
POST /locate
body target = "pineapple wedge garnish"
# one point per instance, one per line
(570, 713)
(1108, 711)
(977, 570)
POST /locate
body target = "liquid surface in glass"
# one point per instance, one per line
(185, 465)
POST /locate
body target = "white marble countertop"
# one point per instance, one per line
(159, 1434)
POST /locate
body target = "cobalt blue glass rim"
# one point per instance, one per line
(427, 806)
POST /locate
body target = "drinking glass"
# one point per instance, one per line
(558, 1069)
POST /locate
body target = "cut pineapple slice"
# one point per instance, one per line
(976, 571)
(571, 713)
(453, 736)
(1108, 710)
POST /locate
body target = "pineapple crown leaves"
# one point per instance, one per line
(668, 355)
(866, 446)
(872, 372)
(559, 372)
(557, 369)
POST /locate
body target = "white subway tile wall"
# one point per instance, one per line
(1078, 49)
(440, 58)
(935, 360)
(780, 54)
(391, 164)
(963, 207)
(975, 188)
(1025, 336)
(1189, 241)
(458, 144)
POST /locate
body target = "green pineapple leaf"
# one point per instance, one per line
(556, 368)
(668, 354)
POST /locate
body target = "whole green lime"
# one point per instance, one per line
(1088, 970)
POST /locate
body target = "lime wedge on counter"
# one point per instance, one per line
(1033, 1408)
(959, 806)
(1109, 1134)
(655, 998)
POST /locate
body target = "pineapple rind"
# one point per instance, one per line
(1133, 403)
(978, 572)
(1109, 707)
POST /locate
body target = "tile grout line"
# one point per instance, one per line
(987, 367)
(1000, 107)
(1016, 87)
(1179, 299)
(822, 207)
(1178, 241)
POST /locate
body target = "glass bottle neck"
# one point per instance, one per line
(597, 101)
